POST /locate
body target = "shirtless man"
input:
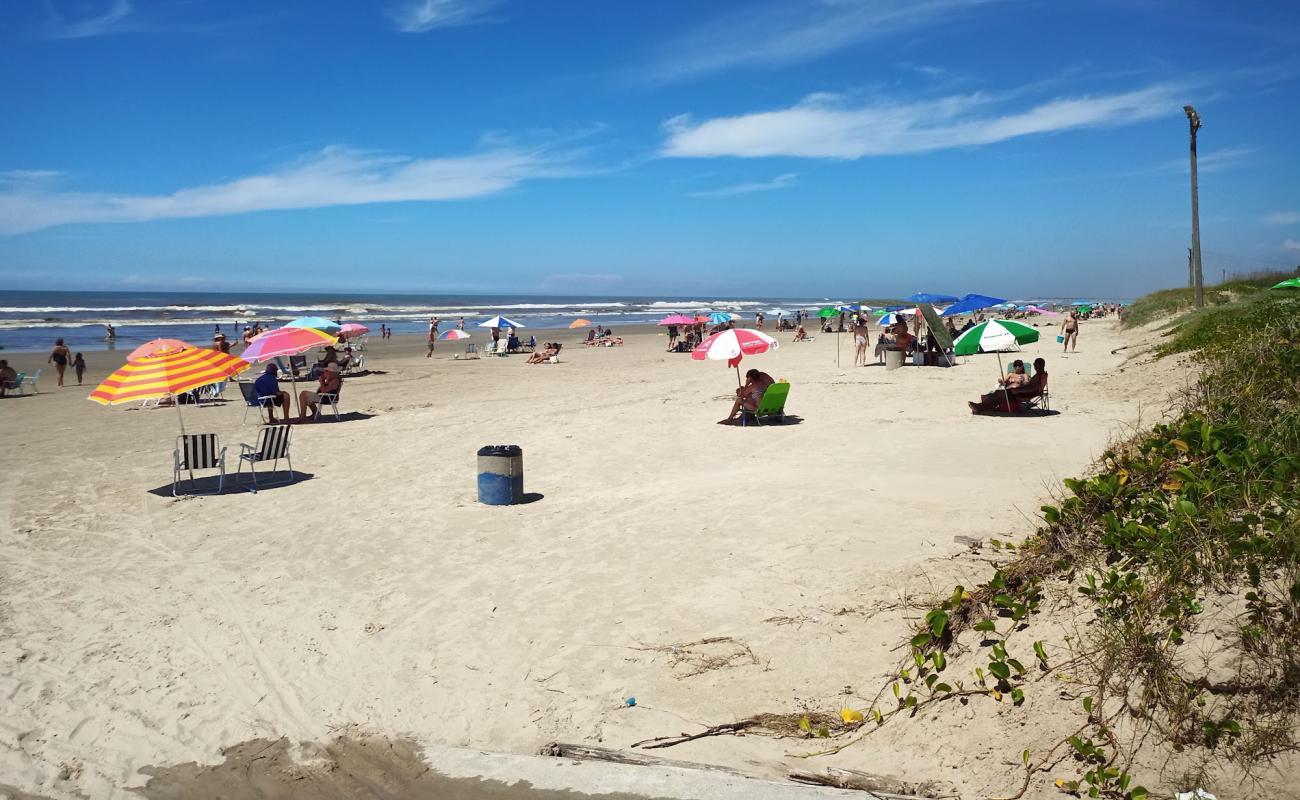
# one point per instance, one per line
(1070, 328)
(750, 395)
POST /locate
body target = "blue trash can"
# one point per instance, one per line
(501, 475)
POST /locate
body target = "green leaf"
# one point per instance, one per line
(1138, 793)
(938, 621)
(823, 733)
(805, 725)
(1087, 705)
(1186, 507)
(1024, 758)
(1017, 696)
(1000, 669)
(1051, 514)
(877, 716)
(985, 626)
(942, 687)
(921, 640)
(1041, 652)
(910, 702)
(940, 661)
(896, 694)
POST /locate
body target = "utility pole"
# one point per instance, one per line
(1198, 283)
(1191, 271)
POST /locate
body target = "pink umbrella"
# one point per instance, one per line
(1045, 312)
(286, 342)
(734, 344)
(159, 347)
(454, 334)
(353, 329)
(677, 319)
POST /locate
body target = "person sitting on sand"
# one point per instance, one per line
(330, 381)
(800, 335)
(750, 395)
(267, 387)
(8, 377)
(549, 349)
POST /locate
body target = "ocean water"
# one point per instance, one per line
(34, 320)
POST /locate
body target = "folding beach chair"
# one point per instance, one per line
(272, 445)
(251, 400)
(197, 451)
(330, 398)
(471, 350)
(771, 408)
(28, 380)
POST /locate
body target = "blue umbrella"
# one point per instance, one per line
(930, 297)
(969, 303)
(720, 318)
(499, 322)
(319, 323)
(1081, 303)
(851, 307)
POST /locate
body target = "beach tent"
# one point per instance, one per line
(969, 303)
(994, 336)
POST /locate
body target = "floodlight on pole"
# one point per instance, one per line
(1198, 283)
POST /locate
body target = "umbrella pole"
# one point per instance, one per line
(837, 349)
(176, 401)
(738, 382)
(1005, 394)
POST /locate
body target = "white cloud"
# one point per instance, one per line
(420, 16)
(113, 19)
(332, 177)
(822, 126)
(791, 31)
(1283, 218)
(779, 182)
(1291, 244)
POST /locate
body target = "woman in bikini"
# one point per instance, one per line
(751, 394)
(59, 357)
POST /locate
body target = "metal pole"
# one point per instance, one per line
(1198, 285)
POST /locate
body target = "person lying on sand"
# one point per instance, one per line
(750, 395)
(548, 350)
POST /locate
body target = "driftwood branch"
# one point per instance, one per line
(582, 752)
(716, 730)
(879, 786)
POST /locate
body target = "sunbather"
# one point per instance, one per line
(750, 395)
(549, 349)
(800, 335)
(1011, 398)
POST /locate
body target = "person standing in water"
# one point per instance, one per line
(111, 334)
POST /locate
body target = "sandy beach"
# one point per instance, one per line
(140, 631)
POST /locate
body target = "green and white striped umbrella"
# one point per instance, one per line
(994, 336)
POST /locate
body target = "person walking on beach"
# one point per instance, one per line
(59, 357)
(79, 367)
(433, 336)
(460, 324)
(1070, 330)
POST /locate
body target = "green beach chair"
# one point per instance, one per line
(771, 408)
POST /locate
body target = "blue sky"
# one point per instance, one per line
(792, 147)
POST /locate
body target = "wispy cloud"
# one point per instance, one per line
(779, 182)
(114, 17)
(791, 31)
(331, 177)
(420, 16)
(1283, 218)
(1212, 160)
(1291, 244)
(823, 126)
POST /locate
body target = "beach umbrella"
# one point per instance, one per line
(157, 347)
(499, 322)
(319, 323)
(969, 303)
(887, 319)
(579, 323)
(851, 307)
(169, 373)
(1289, 283)
(455, 334)
(677, 319)
(286, 341)
(994, 336)
(1033, 309)
(732, 345)
(720, 318)
(352, 329)
(930, 297)
(1081, 303)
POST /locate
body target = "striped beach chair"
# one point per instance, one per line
(197, 451)
(272, 445)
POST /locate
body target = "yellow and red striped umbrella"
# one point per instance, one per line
(171, 372)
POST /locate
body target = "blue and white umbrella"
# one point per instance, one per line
(319, 323)
(499, 322)
(932, 298)
(720, 318)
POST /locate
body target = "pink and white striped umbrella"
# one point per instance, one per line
(734, 344)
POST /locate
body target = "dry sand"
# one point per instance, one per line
(141, 631)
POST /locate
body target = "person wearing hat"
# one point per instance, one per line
(330, 381)
(267, 389)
